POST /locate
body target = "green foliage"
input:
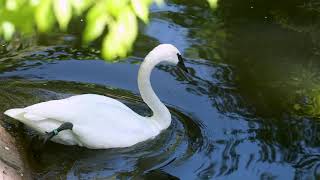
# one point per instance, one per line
(119, 18)
(213, 3)
(63, 11)
(140, 7)
(96, 20)
(44, 16)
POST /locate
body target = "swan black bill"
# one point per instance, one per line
(181, 64)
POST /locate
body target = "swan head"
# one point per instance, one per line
(168, 53)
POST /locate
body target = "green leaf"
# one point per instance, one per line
(111, 46)
(213, 3)
(121, 35)
(95, 28)
(131, 25)
(63, 12)
(8, 30)
(115, 7)
(81, 5)
(11, 5)
(97, 19)
(141, 9)
(44, 16)
(34, 2)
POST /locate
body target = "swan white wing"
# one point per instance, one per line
(73, 108)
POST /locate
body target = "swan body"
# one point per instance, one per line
(100, 122)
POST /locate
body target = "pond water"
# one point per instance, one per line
(248, 109)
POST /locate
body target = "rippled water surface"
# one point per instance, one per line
(248, 109)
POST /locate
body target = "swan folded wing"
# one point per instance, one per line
(33, 117)
(96, 99)
(55, 109)
(77, 109)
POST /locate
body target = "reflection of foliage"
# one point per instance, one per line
(38, 55)
(303, 16)
(306, 82)
(274, 48)
(119, 17)
(266, 58)
(205, 30)
(309, 103)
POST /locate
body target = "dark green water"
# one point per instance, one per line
(248, 110)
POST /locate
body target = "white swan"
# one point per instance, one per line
(100, 122)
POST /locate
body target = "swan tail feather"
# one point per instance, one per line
(15, 113)
(23, 115)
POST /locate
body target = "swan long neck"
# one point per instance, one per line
(160, 112)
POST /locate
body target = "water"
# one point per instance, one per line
(248, 109)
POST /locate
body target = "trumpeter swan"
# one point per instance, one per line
(100, 122)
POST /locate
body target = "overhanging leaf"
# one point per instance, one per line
(97, 19)
(44, 16)
(141, 9)
(81, 5)
(213, 3)
(63, 12)
(121, 35)
(95, 28)
(11, 5)
(8, 30)
(115, 7)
